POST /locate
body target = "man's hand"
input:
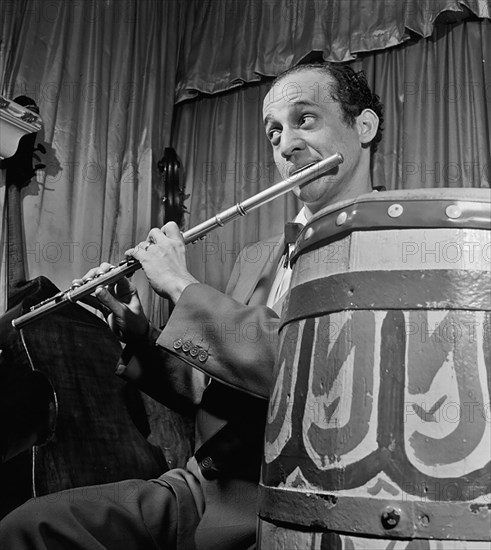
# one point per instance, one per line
(163, 258)
(125, 317)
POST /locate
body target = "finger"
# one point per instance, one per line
(87, 277)
(133, 252)
(108, 300)
(96, 304)
(171, 230)
(93, 273)
(103, 269)
(123, 290)
(151, 234)
(155, 235)
(77, 282)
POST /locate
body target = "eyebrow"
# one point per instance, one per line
(303, 103)
(294, 104)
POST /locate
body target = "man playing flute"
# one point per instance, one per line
(193, 364)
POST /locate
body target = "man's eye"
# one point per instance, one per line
(306, 119)
(273, 134)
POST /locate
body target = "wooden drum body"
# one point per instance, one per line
(379, 426)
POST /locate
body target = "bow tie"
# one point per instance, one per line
(292, 231)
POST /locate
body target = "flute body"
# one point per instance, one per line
(128, 267)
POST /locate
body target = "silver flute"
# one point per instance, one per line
(128, 266)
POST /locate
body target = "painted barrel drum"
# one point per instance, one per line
(379, 426)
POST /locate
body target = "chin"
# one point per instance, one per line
(315, 192)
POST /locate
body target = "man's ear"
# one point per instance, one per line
(367, 125)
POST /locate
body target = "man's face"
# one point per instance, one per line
(304, 125)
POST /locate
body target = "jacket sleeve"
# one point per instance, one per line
(228, 341)
(162, 375)
(209, 334)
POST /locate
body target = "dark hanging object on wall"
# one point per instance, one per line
(173, 197)
(19, 170)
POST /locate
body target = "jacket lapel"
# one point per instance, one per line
(256, 277)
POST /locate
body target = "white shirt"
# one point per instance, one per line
(283, 275)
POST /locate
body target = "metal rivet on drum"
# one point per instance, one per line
(390, 517)
(395, 210)
(453, 211)
(341, 218)
(308, 233)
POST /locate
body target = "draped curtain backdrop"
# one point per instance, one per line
(107, 74)
(229, 42)
(102, 73)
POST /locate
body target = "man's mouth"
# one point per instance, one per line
(295, 169)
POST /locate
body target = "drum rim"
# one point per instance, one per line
(408, 209)
(421, 193)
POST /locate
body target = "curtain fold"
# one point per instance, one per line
(229, 42)
(103, 75)
(10, 24)
(436, 96)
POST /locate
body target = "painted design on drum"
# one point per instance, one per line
(400, 448)
(281, 401)
(336, 421)
(446, 429)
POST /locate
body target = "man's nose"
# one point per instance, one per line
(290, 143)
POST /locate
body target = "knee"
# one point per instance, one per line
(15, 526)
(23, 525)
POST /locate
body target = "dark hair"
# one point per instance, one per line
(351, 91)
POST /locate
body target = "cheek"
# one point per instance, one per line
(351, 158)
(350, 143)
(280, 163)
(277, 156)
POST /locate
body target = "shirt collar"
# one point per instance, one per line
(303, 216)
